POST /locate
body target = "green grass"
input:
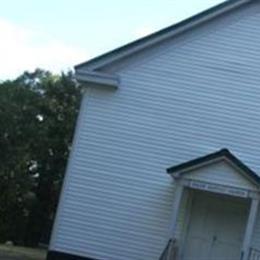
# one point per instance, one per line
(21, 253)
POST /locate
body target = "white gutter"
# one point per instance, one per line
(97, 78)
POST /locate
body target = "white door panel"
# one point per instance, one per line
(216, 228)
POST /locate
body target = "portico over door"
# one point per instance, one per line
(220, 210)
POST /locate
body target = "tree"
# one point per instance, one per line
(37, 117)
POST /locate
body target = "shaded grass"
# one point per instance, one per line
(21, 253)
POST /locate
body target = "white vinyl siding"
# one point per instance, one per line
(184, 103)
(221, 172)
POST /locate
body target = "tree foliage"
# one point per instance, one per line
(37, 117)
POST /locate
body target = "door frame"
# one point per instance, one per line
(183, 185)
(188, 215)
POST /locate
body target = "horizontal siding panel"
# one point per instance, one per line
(121, 232)
(206, 145)
(191, 72)
(142, 224)
(125, 194)
(140, 209)
(195, 124)
(191, 105)
(106, 251)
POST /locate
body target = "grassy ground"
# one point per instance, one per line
(21, 253)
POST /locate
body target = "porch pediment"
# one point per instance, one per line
(221, 168)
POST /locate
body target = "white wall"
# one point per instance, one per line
(187, 100)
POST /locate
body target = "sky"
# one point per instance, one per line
(58, 34)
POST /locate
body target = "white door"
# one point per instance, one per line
(216, 228)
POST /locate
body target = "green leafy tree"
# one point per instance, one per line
(37, 117)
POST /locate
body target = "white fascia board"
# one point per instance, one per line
(97, 78)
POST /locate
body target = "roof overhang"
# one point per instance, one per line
(90, 73)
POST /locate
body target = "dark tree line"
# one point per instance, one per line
(37, 117)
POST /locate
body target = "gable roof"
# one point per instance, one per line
(161, 35)
(221, 154)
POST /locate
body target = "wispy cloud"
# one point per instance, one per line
(26, 49)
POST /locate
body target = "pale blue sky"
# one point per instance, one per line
(57, 34)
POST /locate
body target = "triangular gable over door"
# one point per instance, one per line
(223, 173)
(220, 168)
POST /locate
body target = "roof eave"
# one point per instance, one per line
(159, 36)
